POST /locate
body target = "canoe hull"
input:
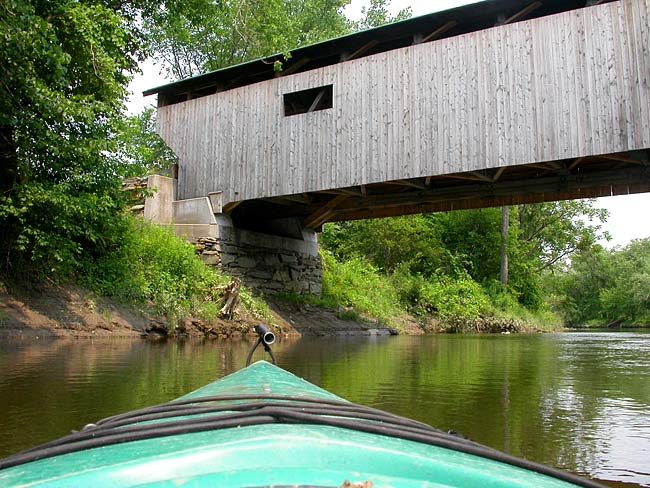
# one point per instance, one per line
(283, 454)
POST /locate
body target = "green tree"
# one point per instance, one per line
(140, 148)
(555, 230)
(193, 37)
(604, 287)
(190, 38)
(388, 243)
(547, 235)
(469, 242)
(64, 73)
(65, 67)
(627, 297)
(377, 14)
(474, 238)
(575, 291)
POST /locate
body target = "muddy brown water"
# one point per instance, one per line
(577, 401)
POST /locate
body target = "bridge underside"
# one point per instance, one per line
(593, 176)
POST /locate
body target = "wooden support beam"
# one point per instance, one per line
(293, 68)
(575, 163)
(478, 195)
(364, 192)
(411, 184)
(295, 109)
(229, 207)
(320, 216)
(463, 176)
(498, 173)
(543, 166)
(622, 159)
(522, 13)
(480, 176)
(316, 101)
(349, 191)
(438, 32)
(233, 82)
(359, 52)
(288, 200)
(339, 191)
(205, 89)
(477, 175)
(620, 165)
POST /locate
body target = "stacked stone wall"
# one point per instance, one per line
(267, 263)
(265, 268)
(137, 188)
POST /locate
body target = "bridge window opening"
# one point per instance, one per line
(305, 101)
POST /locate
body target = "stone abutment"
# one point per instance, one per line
(269, 264)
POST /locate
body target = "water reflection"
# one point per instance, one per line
(577, 401)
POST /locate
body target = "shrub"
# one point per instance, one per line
(358, 284)
(408, 287)
(460, 298)
(48, 229)
(152, 265)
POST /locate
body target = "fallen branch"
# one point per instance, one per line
(232, 299)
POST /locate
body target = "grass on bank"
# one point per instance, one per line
(454, 304)
(152, 266)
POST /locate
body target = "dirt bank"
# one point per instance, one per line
(71, 311)
(65, 311)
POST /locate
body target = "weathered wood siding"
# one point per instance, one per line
(569, 85)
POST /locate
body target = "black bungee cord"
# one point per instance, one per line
(339, 414)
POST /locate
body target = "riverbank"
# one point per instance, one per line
(72, 311)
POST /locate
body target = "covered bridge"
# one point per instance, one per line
(495, 103)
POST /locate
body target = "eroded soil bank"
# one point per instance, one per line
(71, 311)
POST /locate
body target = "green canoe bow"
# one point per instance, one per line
(263, 426)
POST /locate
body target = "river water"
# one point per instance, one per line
(577, 401)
